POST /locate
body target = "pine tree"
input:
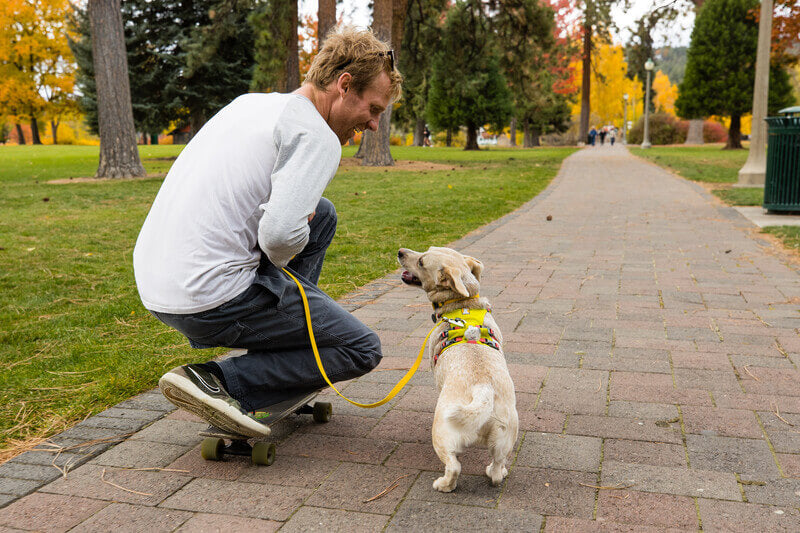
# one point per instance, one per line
(420, 40)
(467, 87)
(528, 53)
(190, 58)
(720, 68)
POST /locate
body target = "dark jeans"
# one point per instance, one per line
(269, 321)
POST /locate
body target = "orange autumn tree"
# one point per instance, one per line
(308, 43)
(36, 66)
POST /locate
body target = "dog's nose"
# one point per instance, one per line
(401, 253)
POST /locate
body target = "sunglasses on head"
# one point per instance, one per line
(387, 54)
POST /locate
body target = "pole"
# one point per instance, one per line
(646, 141)
(625, 122)
(754, 171)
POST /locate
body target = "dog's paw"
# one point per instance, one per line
(496, 475)
(442, 485)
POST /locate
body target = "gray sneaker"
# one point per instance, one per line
(197, 390)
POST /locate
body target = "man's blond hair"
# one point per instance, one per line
(357, 52)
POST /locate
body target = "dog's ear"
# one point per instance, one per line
(451, 277)
(475, 266)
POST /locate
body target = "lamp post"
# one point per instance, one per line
(648, 66)
(625, 119)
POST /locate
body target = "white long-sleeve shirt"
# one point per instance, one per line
(251, 176)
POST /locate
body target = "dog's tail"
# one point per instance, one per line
(471, 418)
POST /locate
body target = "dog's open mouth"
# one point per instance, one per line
(410, 278)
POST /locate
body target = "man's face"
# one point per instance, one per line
(353, 112)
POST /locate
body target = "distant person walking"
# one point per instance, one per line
(612, 134)
(592, 136)
(426, 136)
(602, 136)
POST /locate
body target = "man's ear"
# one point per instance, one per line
(475, 266)
(343, 83)
(451, 277)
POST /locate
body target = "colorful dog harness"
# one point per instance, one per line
(466, 326)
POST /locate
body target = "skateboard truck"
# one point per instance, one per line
(214, 447)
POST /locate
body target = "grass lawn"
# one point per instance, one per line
(75, 336)
(711, 164)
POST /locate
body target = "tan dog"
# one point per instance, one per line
(476, 402)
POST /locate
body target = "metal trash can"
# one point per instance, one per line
(782, 181)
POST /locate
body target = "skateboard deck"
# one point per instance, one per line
(214, 447)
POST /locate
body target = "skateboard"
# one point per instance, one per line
(214, 447)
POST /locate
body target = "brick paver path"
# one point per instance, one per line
(653, 343)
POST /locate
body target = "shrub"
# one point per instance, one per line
(714, 132)
(664, 129)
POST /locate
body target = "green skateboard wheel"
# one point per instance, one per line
(263, 453)
(322, 412)
(212, 449)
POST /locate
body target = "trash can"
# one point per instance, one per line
(782, 181)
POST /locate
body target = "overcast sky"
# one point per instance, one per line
(357, 13)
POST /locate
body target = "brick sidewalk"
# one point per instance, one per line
(651, 335)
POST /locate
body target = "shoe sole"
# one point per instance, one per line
(186, 395)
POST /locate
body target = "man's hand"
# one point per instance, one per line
(311, 216)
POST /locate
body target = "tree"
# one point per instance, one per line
(326, 17)
(387, 24)
(534, 63)
(189, 58)
(720, 68)
(421, 36)
(596, 21)
(276, 54)
(119, 157)
(610, 81)
(467, 88)
(640, 47)
(36, 72)
(665, 94)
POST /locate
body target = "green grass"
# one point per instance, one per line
(75, 336)
(789, 235)
(741, 195)
(706, 163)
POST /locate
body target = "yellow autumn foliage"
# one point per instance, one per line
(608, 85)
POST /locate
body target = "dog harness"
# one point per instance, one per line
(466, 326)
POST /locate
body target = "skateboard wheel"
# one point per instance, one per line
(263, 453)
(212, 449)
(322, 412)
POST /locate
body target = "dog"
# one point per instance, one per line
(476, 404)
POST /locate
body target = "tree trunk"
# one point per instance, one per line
(292, 54)
(419, 140)
(585, 84)
(472, 137)
(526, 135)
(534, 137)
(734, 133)
(449, 138)
(512, 132)
(54, 128)
(119, 157)
(20, 134)
(695, 133)
(35, 139)
(374, 148)
(196, 120)
(532, 134)
(326, 15)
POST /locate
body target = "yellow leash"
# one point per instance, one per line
(392, 393)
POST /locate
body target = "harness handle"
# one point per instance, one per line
(397, 388)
